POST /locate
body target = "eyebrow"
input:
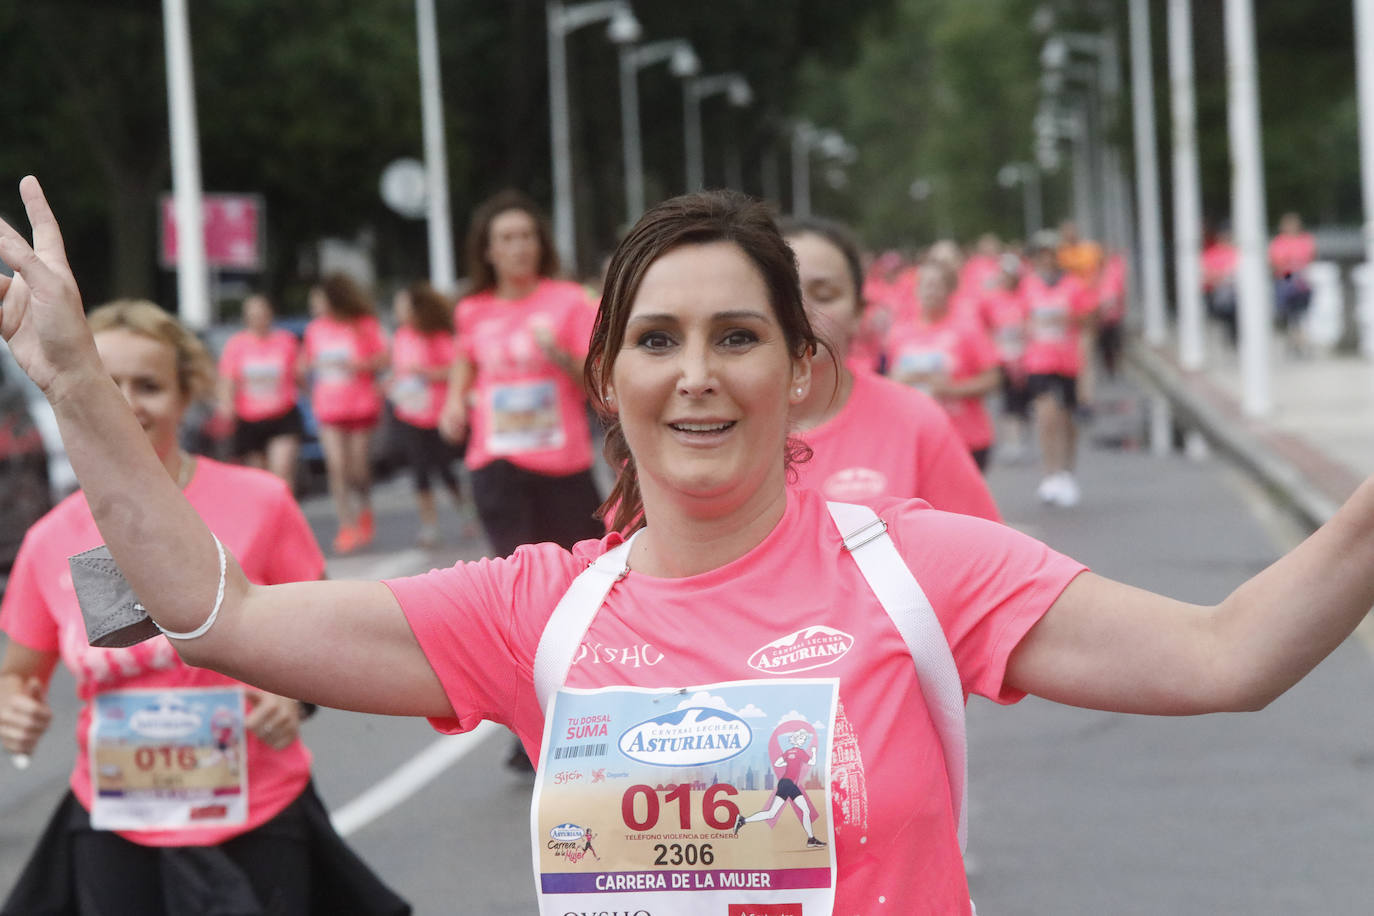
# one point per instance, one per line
(732, 315)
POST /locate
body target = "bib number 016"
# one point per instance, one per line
(717, 810)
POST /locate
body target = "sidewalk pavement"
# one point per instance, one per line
(1313, 448)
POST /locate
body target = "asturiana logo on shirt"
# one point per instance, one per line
(695, 736)
(813, 647)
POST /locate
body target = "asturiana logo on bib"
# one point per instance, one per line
(168, 720)
(567, 833)
(690, 737)
(814, 647)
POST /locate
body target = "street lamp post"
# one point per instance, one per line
(1255, 303)
(561, 21)
(1187, 199)
(193, 292)
(682, 61)
(442, 274)
(1028, 176)
(693, 91)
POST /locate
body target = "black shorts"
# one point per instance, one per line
(787, 789)
(1064, 388)
(1015, 396)
(253, 436)
(518, 506)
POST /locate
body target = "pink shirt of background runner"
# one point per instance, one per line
(966, 351)
(263, 370)
(496, 336)
(479, 624)
(893, 441)
(338, 394)
(417, 354)
(1053, 330)
(1291, 252)
(254, 515)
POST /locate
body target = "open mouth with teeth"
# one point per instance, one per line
(702, 427)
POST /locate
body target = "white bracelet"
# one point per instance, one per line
(214, 611)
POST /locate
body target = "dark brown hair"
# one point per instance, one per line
(345, 296)
(692, 219)
(429, 309)
(481, 276)
(836, 235)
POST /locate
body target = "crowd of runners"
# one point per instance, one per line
(779, 411)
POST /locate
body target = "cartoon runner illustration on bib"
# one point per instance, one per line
(794, 760)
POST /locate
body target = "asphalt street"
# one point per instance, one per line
(1073, 811)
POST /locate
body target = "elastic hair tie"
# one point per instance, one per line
(214, 612)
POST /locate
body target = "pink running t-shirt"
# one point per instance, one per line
(1055, 315)
(1291, 253)
(523, 407)
(1218, 264)
(340, 394)
(893, 441)
(416, 397)
(263, 370)
(895, 835)
(256, 519)
(1004, 315)
(921, 353)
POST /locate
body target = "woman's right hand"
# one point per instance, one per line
(40, 314)
(24, 714)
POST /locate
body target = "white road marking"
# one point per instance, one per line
(409, 778)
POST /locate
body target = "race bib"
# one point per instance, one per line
(333, 363)
(262, 381)
(524, 418)
(711, 799)
(1050, 323)
(168, 759)
(411, 394)
(921, 369)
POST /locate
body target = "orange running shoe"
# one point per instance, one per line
(367, 527)
(349, 539)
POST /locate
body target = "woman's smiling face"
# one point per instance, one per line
(704, 379)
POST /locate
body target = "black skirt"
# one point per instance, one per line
(295, 863)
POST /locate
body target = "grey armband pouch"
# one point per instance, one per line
(114, 618)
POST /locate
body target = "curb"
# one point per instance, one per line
(1199, 404)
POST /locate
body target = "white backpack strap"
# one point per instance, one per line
(572, 616)
(866, 539)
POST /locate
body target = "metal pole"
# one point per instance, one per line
(442, 275)
(1247, 208)
(629, 120)
(564, 237)
(1364, 63)
(691, 135)
(1187, 202)
(193, 293)
(801, 172)
(1147, 175)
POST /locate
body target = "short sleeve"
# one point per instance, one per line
(24, 613)
(988, 583)
(296, 555)
(479, 624)
(462, 333)
(981, 350)
(946, 474)
(373, 337)
(575, 333)
(228, 360)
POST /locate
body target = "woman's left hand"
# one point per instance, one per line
(275, 720)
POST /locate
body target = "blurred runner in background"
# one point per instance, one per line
(421, 355)
(345, 351)
(257, 392)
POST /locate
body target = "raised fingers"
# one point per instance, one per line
(47, 237)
